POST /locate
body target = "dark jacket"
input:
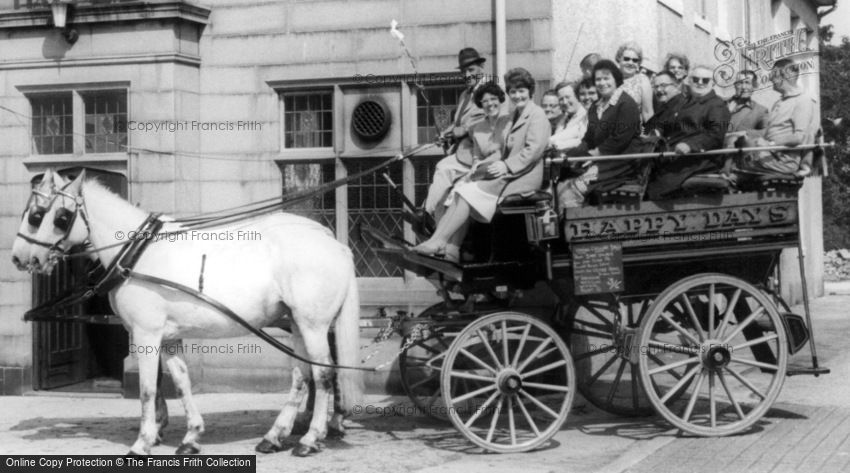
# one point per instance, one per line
(701, 123)
(665, 120)
(617, 131)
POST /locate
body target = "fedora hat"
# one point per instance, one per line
(468, 56)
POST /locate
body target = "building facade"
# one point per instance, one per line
(188, 107)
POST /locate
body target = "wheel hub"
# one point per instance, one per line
(509, 382)
(715, 354)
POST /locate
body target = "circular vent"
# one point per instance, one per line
(370, 120)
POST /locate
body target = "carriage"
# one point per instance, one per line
(648, 306)
(666, 306)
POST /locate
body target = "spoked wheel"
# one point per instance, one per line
(728, 338)
(420, 365)
(603, 342)
(509, 382)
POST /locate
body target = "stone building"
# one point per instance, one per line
(187, 107)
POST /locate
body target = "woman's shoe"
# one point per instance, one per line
(452, 253)
(429, 249)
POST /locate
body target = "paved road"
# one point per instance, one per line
(807, 430)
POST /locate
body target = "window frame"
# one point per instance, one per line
(111, 161)
(409, 100)
(320, 150)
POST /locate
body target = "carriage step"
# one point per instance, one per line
(810, 370)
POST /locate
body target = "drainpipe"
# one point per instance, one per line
(501, 48)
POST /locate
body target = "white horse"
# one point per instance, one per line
(289, 262)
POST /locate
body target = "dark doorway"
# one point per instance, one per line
(87, 354)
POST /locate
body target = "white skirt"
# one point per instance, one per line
(482, 202)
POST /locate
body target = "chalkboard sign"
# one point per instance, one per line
(597, 268)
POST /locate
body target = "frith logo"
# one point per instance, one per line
(760, 56)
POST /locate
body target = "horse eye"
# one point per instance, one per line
(63, 218)
(36, 215)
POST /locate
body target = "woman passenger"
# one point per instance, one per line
(635, 83)
(518, 167)
(613, 128)
(573, 124)
(678, 65)
(587, 92)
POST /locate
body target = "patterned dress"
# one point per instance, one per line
(632, 86)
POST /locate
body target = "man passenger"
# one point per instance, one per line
(791, 122)
(746, 113)
(699, 125)
(458, 162)
(551, 107)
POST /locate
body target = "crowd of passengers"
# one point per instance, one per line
(615, 109)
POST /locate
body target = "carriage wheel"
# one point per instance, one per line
(419, 368)
(509, 382)
(420, 365)
(726, 337)
(603, 341)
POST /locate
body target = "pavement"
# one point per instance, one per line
(808, 429)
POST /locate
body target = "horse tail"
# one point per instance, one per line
(347, 335)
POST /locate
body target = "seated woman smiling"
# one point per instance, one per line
(508, 152)
(613, 128)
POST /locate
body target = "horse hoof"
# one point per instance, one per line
(304, 451)
(158, 439)
(132, 454)
(187, 449)
(267, 447)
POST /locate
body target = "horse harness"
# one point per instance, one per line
(122, 269)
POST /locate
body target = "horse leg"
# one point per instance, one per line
(317, 348)
(286, 419)
(335, 426)
(161, 406)
(194, 421)
(148, 362)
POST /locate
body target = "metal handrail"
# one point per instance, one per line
(662, 154)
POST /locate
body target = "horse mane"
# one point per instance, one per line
(94, 187)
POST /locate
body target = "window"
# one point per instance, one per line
(106, 121)
(98, 116)
(308, 119)
(310, 158)
(52, 123)
(435, 114)
(372, 202)
(300, 176)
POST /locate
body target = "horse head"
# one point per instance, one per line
(49, 224)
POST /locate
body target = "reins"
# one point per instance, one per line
(230, 215)
(122, 266)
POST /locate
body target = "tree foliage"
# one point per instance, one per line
(835, 105)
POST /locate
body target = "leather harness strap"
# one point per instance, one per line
(121, 269)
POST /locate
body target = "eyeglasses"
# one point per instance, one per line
(661, 86)
(701, 80)
(635, 60)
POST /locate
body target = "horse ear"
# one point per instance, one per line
(76, 184)
(47, 178)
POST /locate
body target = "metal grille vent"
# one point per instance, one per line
(370, 120)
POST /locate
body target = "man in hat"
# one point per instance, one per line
(459, 159)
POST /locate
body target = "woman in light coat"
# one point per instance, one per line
(517, 168)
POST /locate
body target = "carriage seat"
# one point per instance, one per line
(523, 202)
(708, 183)
(769, 181)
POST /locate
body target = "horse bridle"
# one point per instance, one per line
(63, 220)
